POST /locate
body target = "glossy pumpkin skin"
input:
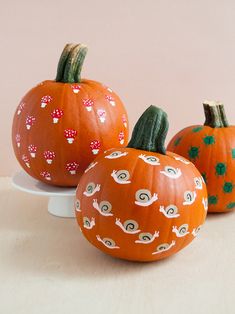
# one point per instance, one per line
(42, 143)
(112, 221)
(212, 150)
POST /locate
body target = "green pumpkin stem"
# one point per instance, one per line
(223, 115)
(62, 62)
(150, 131)
(215, 114)
(70, 63)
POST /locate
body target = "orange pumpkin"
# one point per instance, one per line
(61, 125)
(211, 147)
(141, 203)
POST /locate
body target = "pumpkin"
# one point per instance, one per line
(61, 125)
(211, 147)
(141, 203)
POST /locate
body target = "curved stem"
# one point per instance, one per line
(150, 131)
(70, 63)
(215, 114)
(80, 60)
(62, 61)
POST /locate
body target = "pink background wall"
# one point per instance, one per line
(173, 54)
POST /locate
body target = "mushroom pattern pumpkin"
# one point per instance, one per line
(211, 147)
(71, 118)
(145, 203)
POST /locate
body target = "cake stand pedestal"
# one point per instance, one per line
(61, 200)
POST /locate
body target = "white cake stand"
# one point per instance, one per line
(61, 200)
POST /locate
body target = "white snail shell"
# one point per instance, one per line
(123, 175)
(116, 153)
(77, 204)
(162, 247)
(170, 170)
(109, 242)
(152, 158)
(143, 196)
(86, 221)
(130, 225)
(171, 210)
(188, 195)
(90, 187)
(145, 236)
(105, 207)
(183, 229)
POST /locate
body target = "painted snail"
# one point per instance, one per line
(87, 222)
(189, 197)
(105, 206)
(171, 210)
(183, 229)
(123, 175)
(109, 242)
(163, 247)
(77, 205)
(90, 187)
(145, 236)
(143, 196)
(130, 225)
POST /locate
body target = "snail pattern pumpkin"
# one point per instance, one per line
(60, 126)
(145, 208)
(211, 147)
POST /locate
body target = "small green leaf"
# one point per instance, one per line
(228, 187)
(177, 141)
(233, 153)
(193, 152)
(231, 205)
(212, 200)
(197, 129)
(220, 168)
(209, 140)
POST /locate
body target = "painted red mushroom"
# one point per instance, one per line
(121, 137)
(102, 115)
(88, 103)
(20, 108)
(18, 140)
(26, 160)
(110, 99)
(46, 175)
(45, 100)
(56, 115)
(72, 167)
(29, 122)
(95, 146)
(70, 135)
(32, 150)
(124, 120)
(49, 156)
(76, 88)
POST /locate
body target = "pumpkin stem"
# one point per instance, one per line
(62, 61)
(70, 63)
(223, 115)
(215, 114)
(150, 131)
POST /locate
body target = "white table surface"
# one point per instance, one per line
(46, 266)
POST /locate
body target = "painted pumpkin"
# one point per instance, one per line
(211, 147)
(141, 203)
(61, 125)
